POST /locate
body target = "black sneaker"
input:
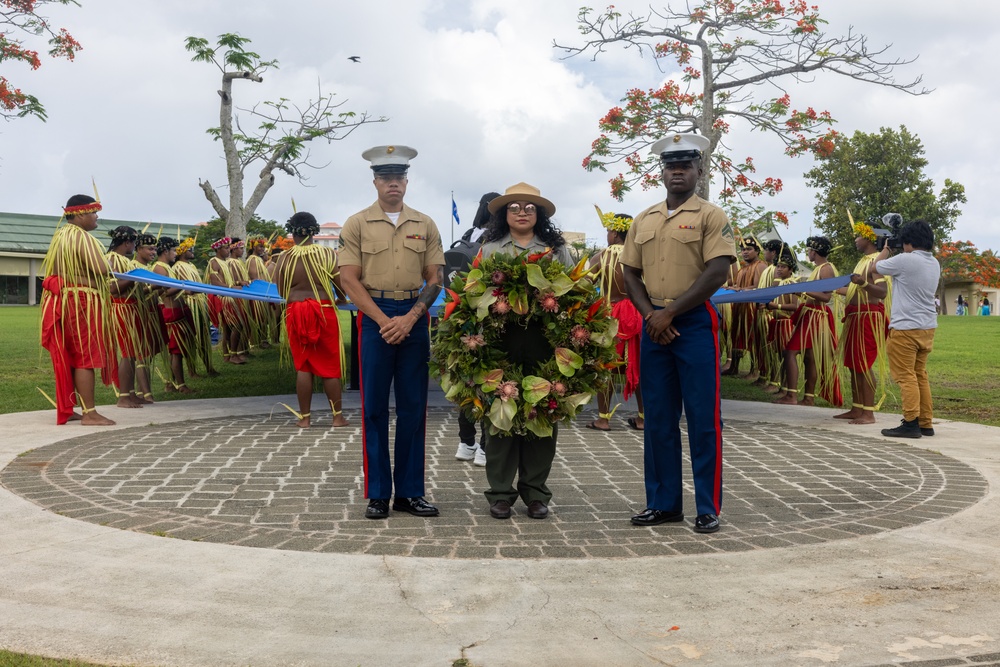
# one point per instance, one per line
(926, 431)
(906, 429)
(377, 509)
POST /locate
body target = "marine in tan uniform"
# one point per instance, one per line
(676, 255)
(392, 267)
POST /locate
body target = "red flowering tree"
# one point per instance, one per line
(961, 261)
(730, 54)
(22, 17)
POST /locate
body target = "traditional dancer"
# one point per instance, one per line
(771, 357)
(197, 303)
(865, 330)
(781, 325)
(125, 307)
(153, 333)
(260, 313)
(744, 314)
(304, 276)
(222, 309)
(180, 326)
(815, 337)
(612, 285)
(76, 313)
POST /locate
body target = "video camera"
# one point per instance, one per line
(888, 235)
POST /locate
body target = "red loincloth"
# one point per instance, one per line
(180, 328)
(127, 325)
(864, 326)
(73, 335)
(629, 337)
(807, 318)
(314, 337)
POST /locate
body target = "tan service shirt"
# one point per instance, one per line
(672, 250)
(391, 257)
(509, 246)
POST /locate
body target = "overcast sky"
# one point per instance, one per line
(475, 87)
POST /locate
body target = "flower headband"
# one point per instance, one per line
(221, 243)
(83, 209)
(616, 223)
(255, 241)
(864, 230)
(185, 245)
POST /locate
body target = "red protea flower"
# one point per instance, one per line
(579, 336)
(508, 391)
(499, 277)
(501, 306)
(558, 388)
(548, 302)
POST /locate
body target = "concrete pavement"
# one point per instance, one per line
(215, 533)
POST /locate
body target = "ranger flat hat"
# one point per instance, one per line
(389, 159)
(677, 147)
(522, 192)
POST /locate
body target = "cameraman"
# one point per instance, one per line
(912, 322)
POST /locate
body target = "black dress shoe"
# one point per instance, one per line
(706, 523)
(500, 510)
(651, 517)
(537, 509)
(415, 506)
(377, 509)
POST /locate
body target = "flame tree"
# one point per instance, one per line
(23, 17)
(735, 58)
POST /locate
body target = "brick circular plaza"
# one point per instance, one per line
(258, 481)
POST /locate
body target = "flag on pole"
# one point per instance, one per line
(454, 209)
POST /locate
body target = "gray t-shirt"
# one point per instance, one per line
(509, 246)
(915, 277)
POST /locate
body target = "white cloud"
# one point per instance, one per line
(475, 87)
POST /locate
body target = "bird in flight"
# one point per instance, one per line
(356, 59)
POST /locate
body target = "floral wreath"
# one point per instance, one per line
(503, 290)
(221, 243)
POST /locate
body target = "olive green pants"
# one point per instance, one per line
(529, 460)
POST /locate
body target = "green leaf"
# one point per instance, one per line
(535, 388)
(536, 278)
(539, 426)
(576, 401)
(569, 362)
(561, 284)
(489, 380)
(502, 414)
(518, 302)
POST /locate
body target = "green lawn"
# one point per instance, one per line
(962, 368)
(8, 659)
(25, 367)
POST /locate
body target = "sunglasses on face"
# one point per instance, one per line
(517, 208)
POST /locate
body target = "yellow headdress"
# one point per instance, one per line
(615, 222)
(861, 229)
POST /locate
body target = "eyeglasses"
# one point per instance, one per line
(517, 208)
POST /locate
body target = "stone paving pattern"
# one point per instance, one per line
(259, 481)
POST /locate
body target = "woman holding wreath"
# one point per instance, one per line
(522, 222)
